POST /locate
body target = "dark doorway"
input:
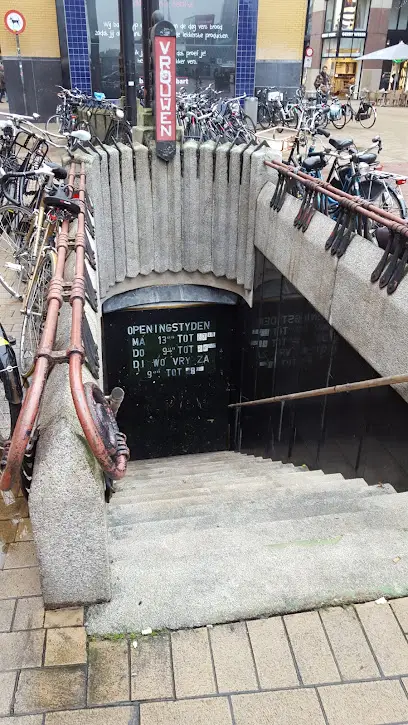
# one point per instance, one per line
(176, 367)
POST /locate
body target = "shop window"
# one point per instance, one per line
(394, 13)
(362, 13)
(349, 14)
(346, 47)
(329, 49)
(403, 17)
(333, 14)
(358, 47)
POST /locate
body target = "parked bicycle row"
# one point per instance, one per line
(34, 200)
(356, 172)
(273, 111)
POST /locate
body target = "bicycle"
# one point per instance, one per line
(30, 236)
(10, 406)
(366, 113)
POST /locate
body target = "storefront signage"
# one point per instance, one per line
(164, 63)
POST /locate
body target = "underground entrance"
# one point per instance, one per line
(175, 361)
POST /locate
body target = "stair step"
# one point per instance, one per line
(214, 487)
(190, 480)
(202, 468)
(297, 532)
(280, 504)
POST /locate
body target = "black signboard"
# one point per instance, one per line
(175, 366)
(206, 34)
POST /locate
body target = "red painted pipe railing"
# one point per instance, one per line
(115, 469)
(46, 357)
(354, 203)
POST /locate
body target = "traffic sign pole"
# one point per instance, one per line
(20, 66)
(15, 22)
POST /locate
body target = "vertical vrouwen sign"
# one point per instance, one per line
(164, 64)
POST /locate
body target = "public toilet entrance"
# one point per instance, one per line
(175, 364)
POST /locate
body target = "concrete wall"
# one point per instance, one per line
(195, 216)
(67, 503)
(373, 322)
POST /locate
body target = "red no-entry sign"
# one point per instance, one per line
(15, 22)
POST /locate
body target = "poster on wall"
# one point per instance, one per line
(206, 33)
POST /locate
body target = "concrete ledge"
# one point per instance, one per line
(373, 322)
(67, 505)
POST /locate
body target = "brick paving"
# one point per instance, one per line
(336, 666)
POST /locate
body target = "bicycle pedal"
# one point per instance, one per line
(13, 266)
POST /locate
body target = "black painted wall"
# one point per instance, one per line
(41, 75)
(287, 346)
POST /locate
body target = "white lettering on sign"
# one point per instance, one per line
(165, 89)
(172, 349)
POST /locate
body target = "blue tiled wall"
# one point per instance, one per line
(75, 14)
(246, 46)
(77, 36)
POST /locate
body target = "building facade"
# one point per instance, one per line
(235, 44)
(342, 30)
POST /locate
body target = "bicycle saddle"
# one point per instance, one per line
(58, 171)
(59, 200)
(311, 163)
(341, 143)
(366, 158)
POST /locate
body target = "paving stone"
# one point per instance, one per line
(386, 638)
(273, 657)
(192, 665)
(70, 617)
(65, 646)
(349, 644)
(400, 608)
(311, 648)
(212, 711)
(151, 668)
(29, 613)
(7, 683)
(24, 531)
(104, 716)
(13, 584)
(17, 510)
(234, 668)
(7, 531)
(50, 689)
(6, 614)
(24, 720)
(289, 707)
(21, 649)
(21, 555)
(108, 672)
(365, 703)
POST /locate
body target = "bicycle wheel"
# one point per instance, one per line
(35, 314)
(387, 200)
(340, 120)
(55, 120)
(292, 118)
(370, 117)
(348, 112)
(264, 116)
(16, 226)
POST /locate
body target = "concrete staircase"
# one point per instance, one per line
(218, 537)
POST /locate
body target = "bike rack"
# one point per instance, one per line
(97, 424)
(391, 269)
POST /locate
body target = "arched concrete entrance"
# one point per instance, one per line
(172, 350)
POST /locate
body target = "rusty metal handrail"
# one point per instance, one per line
(331, 390)
(115, 469)
(352, 203)
(46, 357)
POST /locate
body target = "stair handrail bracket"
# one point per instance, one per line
(113, 463)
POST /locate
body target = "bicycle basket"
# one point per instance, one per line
(363, 112)
(335, 111)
